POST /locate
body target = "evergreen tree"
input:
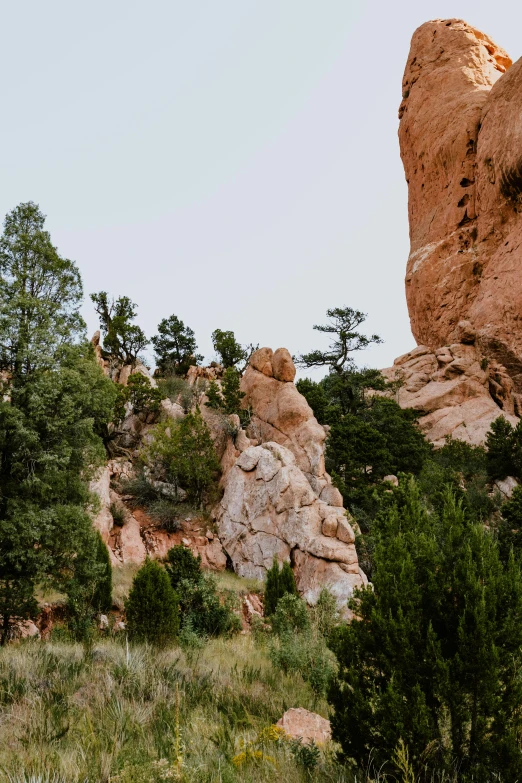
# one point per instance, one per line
(433, 658)
(232, 394)
(102, 598)
(175, 347)
(344, 323)
(229, 350)
(40, 295)
(121, 338)
(143, 397)
(55, 403)
(504, 449)
(152, 608)
(279, 582)
(182, 564)
(214, 397)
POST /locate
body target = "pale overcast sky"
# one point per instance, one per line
(234, 162)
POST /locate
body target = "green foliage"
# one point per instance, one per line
(179, 390)
(175, 347)
(229, 350)
(278, 583)
(228, 398)
(102, 598)
(291, 615)
(435, 654)
(117, 513)
(143, 397)
(152, 608)
(504, 449)
(48, 448)
(183, 454)
(181, 564)
(121, 338)
(299, 646)
(509, 529)
(344, 323)
(203, 611)
(306, 754)
(40, 295)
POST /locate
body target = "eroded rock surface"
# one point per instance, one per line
(460, 137)
(456, 391)
(278, 500)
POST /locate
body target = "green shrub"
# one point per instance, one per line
(433, 658)
(181, 564)
(307, 654)
(207, 612)
(504, 445)
(178, 390)
(278, 583)
(143, 397)
(152, 608)
(290, 616)
(166, 513)
(118, 513)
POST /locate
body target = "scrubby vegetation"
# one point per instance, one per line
(424, 684)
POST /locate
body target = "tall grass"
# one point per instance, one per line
(122, 713)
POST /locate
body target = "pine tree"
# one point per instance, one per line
(432, 659)
(121, 338)
(272, 594)
(152, 608)
(287, 580)
(279, 582)
(175, 346)
(182, 564)
(500, 446)
(102, 599)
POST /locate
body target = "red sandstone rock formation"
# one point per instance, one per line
(461, 145)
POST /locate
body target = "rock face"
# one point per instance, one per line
(460, 137)
(278, 500)
(456, 392)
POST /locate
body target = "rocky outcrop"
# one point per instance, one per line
(282, 415)
(278, 500)
(460, 138)
(455, 390)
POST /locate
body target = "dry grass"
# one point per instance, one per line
(122, 577)
(110, 714)
(227, 580)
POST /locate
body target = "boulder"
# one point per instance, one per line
(306, 726)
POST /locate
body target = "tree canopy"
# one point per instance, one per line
(121, 338)
(175, 346)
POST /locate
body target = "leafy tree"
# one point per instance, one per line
(504, 449)
(121, 338)
(152, 608)
(229, 350)
(183, 565)
(344, 323)
(279, 582)
(433, 658)
(40, 295)
(175, 347)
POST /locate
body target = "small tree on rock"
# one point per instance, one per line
(152, 608)
(121, 338)
(229, 350)
(175, 347)
(344, 323)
